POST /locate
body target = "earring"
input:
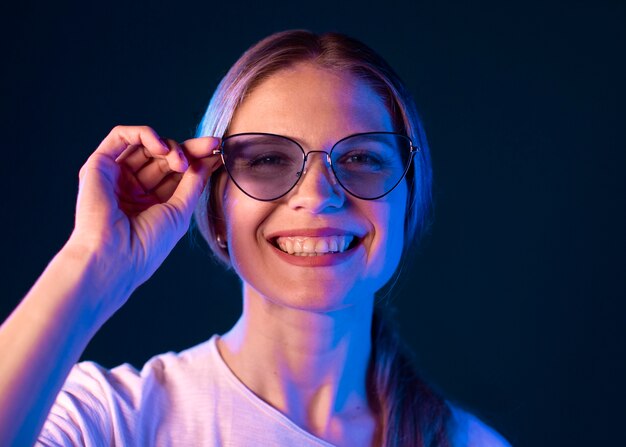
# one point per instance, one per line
(220, 242)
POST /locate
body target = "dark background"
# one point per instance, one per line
(515, 303)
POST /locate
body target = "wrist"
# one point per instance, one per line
(87, 282)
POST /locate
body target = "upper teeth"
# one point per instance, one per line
(311, 246)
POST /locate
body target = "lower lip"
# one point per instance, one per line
(318, 260)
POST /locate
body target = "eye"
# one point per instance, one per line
(362, 157)
(361, 160)
(269, 159)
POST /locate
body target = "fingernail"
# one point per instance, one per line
(216, 142)
(182, 158)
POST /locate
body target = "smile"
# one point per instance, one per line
(314, 246)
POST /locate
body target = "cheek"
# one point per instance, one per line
(388, 242)
(243, 218)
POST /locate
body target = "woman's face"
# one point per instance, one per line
(316, 107)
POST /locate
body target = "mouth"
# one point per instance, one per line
(315, 246)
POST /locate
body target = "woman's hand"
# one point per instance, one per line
(136, 196)
(135, 201)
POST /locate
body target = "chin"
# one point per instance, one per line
(320, 298)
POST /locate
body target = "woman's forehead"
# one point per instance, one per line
(307, 101)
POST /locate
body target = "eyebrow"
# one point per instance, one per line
(261, 137)
(269, 136)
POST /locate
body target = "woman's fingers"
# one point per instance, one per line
(151, 170)
(121, 137)
(192, 183)
(164, 190)
(200, 147)
(134, 158)
(153, 173)
(156, 181)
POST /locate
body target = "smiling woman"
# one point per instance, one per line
(310, 177)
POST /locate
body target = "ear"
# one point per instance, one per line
(216, 214)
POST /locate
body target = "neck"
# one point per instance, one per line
(310, 365)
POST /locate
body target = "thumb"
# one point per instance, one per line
(190, 187)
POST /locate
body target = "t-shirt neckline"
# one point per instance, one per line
(263, 406)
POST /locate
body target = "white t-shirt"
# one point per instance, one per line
(186, 399)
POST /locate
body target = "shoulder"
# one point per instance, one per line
(469, 431)
(96, 402)
(161, 369)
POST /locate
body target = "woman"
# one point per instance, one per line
(319, 179)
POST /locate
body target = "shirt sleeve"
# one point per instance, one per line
(94, 408)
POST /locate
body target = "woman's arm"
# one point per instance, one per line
(42, 340)
(136, 196)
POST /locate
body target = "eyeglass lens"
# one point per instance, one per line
(266, 166)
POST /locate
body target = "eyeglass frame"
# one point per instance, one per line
(412, 151)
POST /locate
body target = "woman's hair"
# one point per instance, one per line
(409, 412)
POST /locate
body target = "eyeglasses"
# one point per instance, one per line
(266, 166)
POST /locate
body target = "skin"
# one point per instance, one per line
(302, 342)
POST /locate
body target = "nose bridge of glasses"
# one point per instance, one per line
(308, 161)
(325, 164)
(306, 156)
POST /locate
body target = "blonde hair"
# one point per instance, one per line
(410, 413)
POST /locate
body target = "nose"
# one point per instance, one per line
(317, 188)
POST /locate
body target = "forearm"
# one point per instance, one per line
(43, 338)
